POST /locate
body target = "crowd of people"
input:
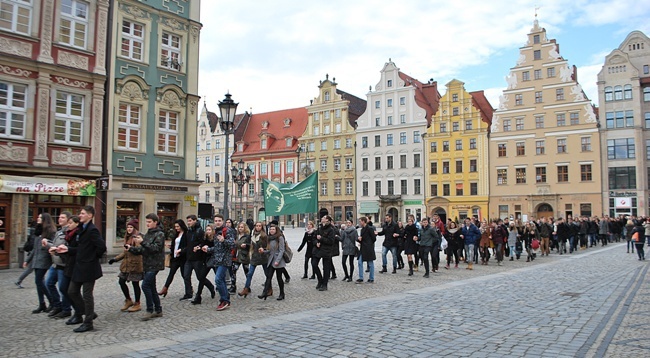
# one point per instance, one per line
(70, 254)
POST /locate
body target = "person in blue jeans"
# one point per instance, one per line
(61, 302)
(390, 231)
(221, 251)
(152, 249)
(258, 240)
(367, 252)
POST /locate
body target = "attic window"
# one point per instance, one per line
(287, 122)
(240, 147)
(265, 125)
(327, 96)
(289, 142)
(389, 83)
(263, 143)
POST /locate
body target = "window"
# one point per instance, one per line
(208, 145)
(377, 104)
(445, 190)
(326, 129)
(536, 39)
(501, 149)
(402, 138)
(519, 124)
(390, 120)
(207, 180)
(434, 167)
(264, 168)
(559, 94)
(506, 125)
(323, 188)
(377, 122)
(276, 167)
(443, 127)
(618, 93)
(622, 178)
(472, 166)
(391, 187)
(389, 102)
(472, 143)
(402, 118)
(629, 118)
(316, 130)
(454, 111)
(167, 132)
(416, 160)
(459, 144)
(337, 188)
(364, 188)
(348, 188)
(521, 148)
(207, 161)
(170, 51)
(434, 189)
(263, 143)
(389, 162)
(364, 142)
(574, 118)
(455, 126)
(473, 188)
(550, 72)
(538, 97)
(585, 172)
(377, 163)
(348, 163)
(502, 176)
(525, 76)
(627, 92)
(337, 114)
(445, 167)
(337, 143)
(377, 141)
(316, 116)
(377, 188)
(74, 22)
(403, 186)
(459, 189)
(454, 97)
(646, 69)
(538, 74)
(402, 101)
(468, 125)
(445, 145)
(609, 94)
(389, 139)
(646, 94)
(323, 165)
(13, 109)
(434, 147)
(519, 99)
(217, 160)
(620, 148)
(520, 175)
(132, 40)
(327, 96)
(561, 119)
(348, 142)
(251, 190)
(647, 150)
(561, 145)
(337, 164)
(417, 188)
(364, 164)
(585, 144)
(459, 166)
(539, 147)
(540, 175)
(417, 137)
(16, 16)
(539, 122)
(537, 55)
(562, 173)
(68, 124)
(389, 83)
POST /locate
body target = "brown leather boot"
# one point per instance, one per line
(127, 303)
(163, 292)
(244, 292)
(270, 293)
(136, 307)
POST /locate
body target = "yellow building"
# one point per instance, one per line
(457, 175)
(327, 145)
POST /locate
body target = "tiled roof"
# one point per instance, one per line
(426, 95)
(483, 105)
(356, 107)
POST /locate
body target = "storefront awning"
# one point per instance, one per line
(368, 207)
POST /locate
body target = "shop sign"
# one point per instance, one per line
(46, 186)
(623, 203)
(153, 187)
(412, 202)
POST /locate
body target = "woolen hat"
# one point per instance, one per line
(135, 223)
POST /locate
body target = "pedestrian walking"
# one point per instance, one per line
(131, 269)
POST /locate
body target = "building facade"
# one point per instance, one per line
(327, 145)
(390, 149)
(544, 141)
(268, 145)
(457, 171)
(52, 76)
(624, 98)
(153, 114)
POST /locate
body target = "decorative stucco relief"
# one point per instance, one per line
(46, 32)
(68, 157)
(576, 92)
(195, 33)
(42, 119)
(15, 71)
(135, 11)
(589, 113)
(566, 73)
(72, 60)
(15, 47)
(96, 148)
(511, 79)
(553, 54)
(131, 91)
(72, 83)
(13, 154)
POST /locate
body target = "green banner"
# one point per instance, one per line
(298, 198)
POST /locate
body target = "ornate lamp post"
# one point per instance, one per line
(228, 108)
(241, 177)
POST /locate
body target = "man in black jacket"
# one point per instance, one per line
(390, 232)
(89, 248)
(152, 249)
(195, 261)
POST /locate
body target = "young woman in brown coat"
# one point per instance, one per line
(130, 268)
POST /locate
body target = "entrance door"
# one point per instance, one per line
(544, 211)
(441, 213)
(394, 214)
(5, 240)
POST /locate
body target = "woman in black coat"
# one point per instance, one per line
(367, 253)
(410, 241)
(454, 244)
(177, 259)
(324, 249)
(308, 239)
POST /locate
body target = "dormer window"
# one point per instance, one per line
(265, 125)
(263, 143)
(289, 142)
(327, 96)
(240, 147)
(287, 122)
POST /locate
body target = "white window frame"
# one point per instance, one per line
(337, 164)
(170, 51)
(23, 5)
(68, 119)
(168, 131)
(70, 14)
(348, 188)
(129, 127)
(131, 38)
(13, 114)
(348, 163)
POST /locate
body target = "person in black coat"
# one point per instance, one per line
(390, 231)
(410, 238)
(177, 256)
(89, 248)
(195, 260)
(323, 249)
(308, 240)
(367, 252)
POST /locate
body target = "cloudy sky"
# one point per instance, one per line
(271, 55)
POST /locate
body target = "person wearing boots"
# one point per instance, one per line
(485, 240)
(89, 248)
(390, 232)
(152, 249)
(60, 299)
(275, 263)
(410, 236)
(429, 239)
(61, 250)
(130, 268)
(257, 258)
(42, 261)
(348, 240)
(177, 259)
(454, 244)
(323, 247)
(221, 252)
(308, 240)
(367, 251)
(195, 260)
(499, 237)
(242, 249)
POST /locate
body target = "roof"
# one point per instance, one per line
(483, 105)
(426, 95)
(356, 107)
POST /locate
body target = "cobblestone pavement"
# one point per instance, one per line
(591, 303)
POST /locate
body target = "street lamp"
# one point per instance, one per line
(228, 108)
(241, 177)
(307, 169)
(217, 192)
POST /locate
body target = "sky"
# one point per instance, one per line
(271, 55)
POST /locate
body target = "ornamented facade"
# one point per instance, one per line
(544, 141)
(153, 114)
(624, 97)
(52, 76)
(457, 171)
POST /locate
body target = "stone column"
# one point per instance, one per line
(41, 119)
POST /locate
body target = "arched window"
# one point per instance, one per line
(609, 94)
(618, 93)
(627, 92)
